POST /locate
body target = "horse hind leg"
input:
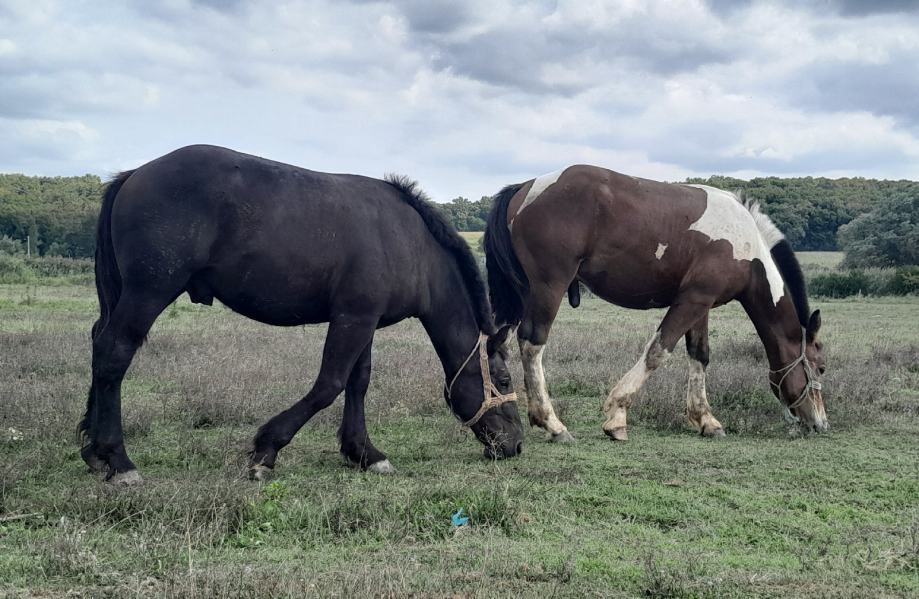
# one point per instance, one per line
(114, 347)
(698, 411)
(532, 335)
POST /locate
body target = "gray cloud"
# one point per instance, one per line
(466, 96)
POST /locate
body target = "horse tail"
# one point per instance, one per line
(108, 277)
(784, 257)
(574, 294)
(507, 282)
(108, 281)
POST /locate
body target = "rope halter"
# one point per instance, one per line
(811, 386)
(492, 397)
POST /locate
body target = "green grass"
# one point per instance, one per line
(668, 514)
(828, 260)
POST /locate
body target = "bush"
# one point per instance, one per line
(871, 281)
(19, 269)
(14, 270)
(10, 246)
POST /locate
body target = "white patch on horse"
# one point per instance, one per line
(726, 218)
(661, 248)
(540, 184)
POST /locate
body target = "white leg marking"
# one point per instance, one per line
(620, 398)
(698, 412)
(538, 402)
(382, 467)
(126, 479)
(259, 472)
(661, 248)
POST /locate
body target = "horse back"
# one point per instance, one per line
(277, 243)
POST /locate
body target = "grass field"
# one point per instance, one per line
(669, 514)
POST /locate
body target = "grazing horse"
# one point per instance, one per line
(642, 244)
(287, 246)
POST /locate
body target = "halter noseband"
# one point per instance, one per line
(492, 397)
(812, 383)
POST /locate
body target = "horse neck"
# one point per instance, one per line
(778, 327)
(449, 319)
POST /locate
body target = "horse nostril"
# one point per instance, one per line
(519, 448)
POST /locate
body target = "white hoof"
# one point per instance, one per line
(259, 472)
(381, 467)
(126, 479)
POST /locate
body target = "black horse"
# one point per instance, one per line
(288, 246)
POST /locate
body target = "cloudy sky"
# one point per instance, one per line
(466, 96)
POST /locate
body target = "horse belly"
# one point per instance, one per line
(630, 285)
(268, 296)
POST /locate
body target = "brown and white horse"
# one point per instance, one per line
(643, 244)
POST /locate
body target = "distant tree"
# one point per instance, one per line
(810, 210)
(58, 213)
(467, 215)
(888, 235)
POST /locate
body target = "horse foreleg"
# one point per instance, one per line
(355, 442)
(344, 344)
(698, 412)
(679, 319)
(620, 398)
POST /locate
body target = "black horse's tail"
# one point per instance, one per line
(108, 284)
(108, 277)
(507, 282)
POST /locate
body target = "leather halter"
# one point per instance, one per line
(812, 383)
(491, 396)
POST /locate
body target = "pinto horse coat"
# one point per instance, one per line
(643, 244)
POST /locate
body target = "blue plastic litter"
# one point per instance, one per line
(458, 518)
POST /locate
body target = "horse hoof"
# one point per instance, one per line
(617, 434)
(381, 467)
(259, 472)
(562, 437)
(130, 478)
(716, 433)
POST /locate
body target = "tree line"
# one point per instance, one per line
(876, 221)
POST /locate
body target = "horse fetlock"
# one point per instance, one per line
(92, 459)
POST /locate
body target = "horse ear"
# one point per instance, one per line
(497, 340)
(813, 325)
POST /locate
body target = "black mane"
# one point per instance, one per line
(445, 234)
(790, 270)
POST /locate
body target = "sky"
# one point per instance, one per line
(467, 96)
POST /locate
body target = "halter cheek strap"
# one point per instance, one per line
(491, 397)
(812, 383)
